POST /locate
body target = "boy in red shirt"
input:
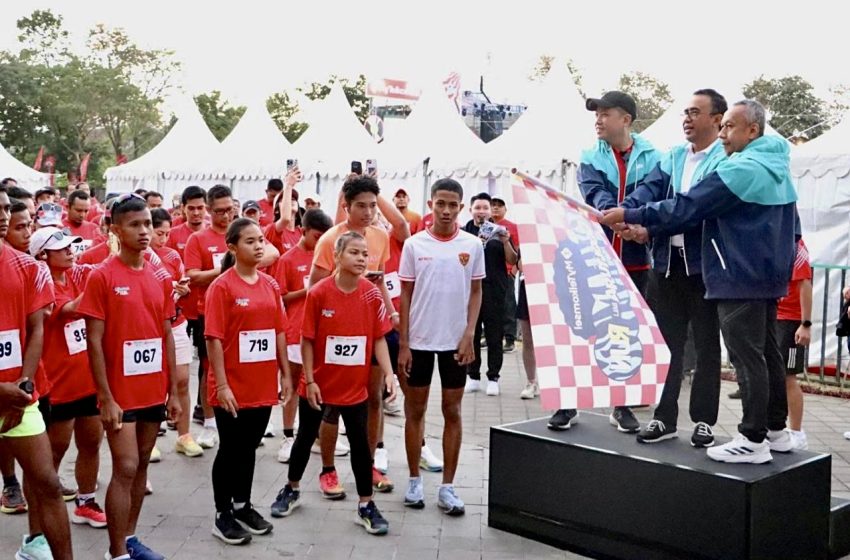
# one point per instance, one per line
(130, 361)
(293, 275)
(79, 204)
(27, 298)
(344, 318)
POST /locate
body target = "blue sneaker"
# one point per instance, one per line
(448, 501)
(138, 551)
(415, 496)
(287, 500)
(36, 549)
(370, 517)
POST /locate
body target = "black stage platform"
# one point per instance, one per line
(598, 492)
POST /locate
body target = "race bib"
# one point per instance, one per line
(10, 349)
(217, 257)
(81, 247)
(346, 350)
(142, 357)
(257, 346)
(75, 336)
(393, 283)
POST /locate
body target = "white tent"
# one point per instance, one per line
(188, 155)
(821, 170)
(333, 140)
(26, 176)
(546, 139)
(254, 152)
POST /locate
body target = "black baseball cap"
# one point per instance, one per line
(250, 205)
(613, 99)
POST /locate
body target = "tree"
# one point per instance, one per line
(220, 117)
(795, 111)
(283, 110)
(544, 64)
(651, 95)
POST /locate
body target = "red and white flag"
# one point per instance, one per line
(596, 342)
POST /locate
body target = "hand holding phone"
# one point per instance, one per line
(357, 167)
(372, 167)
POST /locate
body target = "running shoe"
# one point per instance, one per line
(330, 486)
(563, 419)
(139, 551)
(428, 461)
(415, 495)
(287, 500)
(780, 441)
(624, 420)
(252, 521)
(12, 501)
(156, 455)
(89, 513)
(228, 530)
(285, 449)
(380, 482)
(531, 391)
(187, 445)
(656, 431)
(382, 460)
(370, 517)
(208, 438)
(448, 501)
(36, 549)
(741, 450)
(703, 436)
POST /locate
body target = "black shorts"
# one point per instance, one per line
(198, 337)
(45, 409)
(793, 354)
(80, 408)
(392, 345)
(522, 303)
(155, 414)
(452, 374)
(332, 412)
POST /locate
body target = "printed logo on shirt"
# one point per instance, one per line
(213, 249)
(181, 246)
(424, 258)
(328, 313)
(463, 258)
(122, 290)
(301, 268)
(243, 302)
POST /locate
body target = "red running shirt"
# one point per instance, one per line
(266, 212)
(282, 240)
(173, 264)
(177, 240)
(134, 304)
(204, 251)
(788, 308)
(343, 328)
(27, 287)
(292, 274)
(66, 357)
(247, 319)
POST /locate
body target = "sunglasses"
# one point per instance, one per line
(125, 197)
(57, 235)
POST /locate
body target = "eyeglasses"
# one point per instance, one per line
(223, 212)
(694, 113)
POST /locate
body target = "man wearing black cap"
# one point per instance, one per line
(608, 173)
(401, 201)
(251, 210)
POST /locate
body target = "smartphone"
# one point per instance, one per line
(374, 274)
(357, 167)
(290, 164)
(371, 167)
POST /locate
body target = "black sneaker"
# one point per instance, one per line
(509, 347)
(703, 436)
(198, 415)
(252, 521)
(228, 530)
(563, 419)
(656, 431)
(287, 500)
(736, 394)
(624, 420)
(370, 517)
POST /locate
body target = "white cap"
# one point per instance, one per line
(51, 239)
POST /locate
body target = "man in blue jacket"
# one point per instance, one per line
(748, 209)
(676, 291)
(609, 172)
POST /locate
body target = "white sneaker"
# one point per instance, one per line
(269, 430)
(428, 461)
(492, 388)
(156, 455)
(780, 441)
(801, 442)
(208, 438)
(341, 449)
(148, 487)
(741, 450)
(382, 460)
(846, 435)
(285, 450)
(341, 427)
(393, 408)
(474, 385)
(531, 390)
(37, 549)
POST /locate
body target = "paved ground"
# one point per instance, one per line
(177, 519)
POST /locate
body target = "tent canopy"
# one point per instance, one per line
(26, 176)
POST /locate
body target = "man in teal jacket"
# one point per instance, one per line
(747, 206)
(610, 171)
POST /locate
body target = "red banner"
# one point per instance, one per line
(50, 167)
(120, 159)
(596, 342)
(84, 167)
(38, 158)
(391, 89)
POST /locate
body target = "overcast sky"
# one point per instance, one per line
(248, 49)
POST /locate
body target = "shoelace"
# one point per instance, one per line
(704, 430)
(656, 425)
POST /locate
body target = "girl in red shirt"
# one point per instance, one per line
(73, 396)
(246, 344)
(345, 321)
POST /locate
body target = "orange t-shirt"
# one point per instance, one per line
(377, 244)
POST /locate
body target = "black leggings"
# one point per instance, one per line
(309, 420)
(233, 468)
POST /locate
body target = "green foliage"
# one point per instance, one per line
(795, 111)
(219, 115)
(544, 64)
(283, 110)
(651, 95)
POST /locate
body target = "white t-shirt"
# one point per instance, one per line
(692, 161)
(443, 271)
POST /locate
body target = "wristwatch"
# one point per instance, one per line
(807, 324)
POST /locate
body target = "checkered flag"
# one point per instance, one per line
(596, 342)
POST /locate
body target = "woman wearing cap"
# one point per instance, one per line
(73, 397)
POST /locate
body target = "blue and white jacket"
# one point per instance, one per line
(747, 206)
(599, 182)
(663, 182)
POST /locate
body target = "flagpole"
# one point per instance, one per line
(572, 200)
